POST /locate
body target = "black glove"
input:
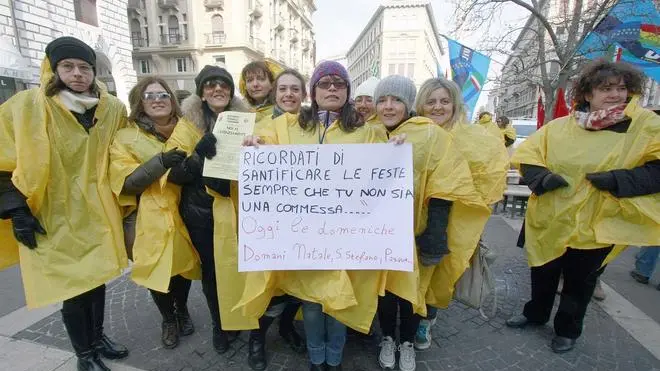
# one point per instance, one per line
(553, 181)
(219, 185)
(206, 146)
(172, 158)
(432, 243)
(25, 225)
(605, 181)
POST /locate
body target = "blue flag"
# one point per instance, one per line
(630, 32)
(469, 70)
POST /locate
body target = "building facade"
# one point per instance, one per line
(28, 26)
(400, 38)
(177, 38)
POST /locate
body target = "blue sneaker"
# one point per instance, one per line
(423, 336)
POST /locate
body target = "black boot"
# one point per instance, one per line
(220, 339)
(170, 331)
(179, 289)
(257, 345)
(103, 345)
(74, 312)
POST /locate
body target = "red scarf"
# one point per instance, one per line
(601, 119)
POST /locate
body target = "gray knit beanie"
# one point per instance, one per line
(397, 86)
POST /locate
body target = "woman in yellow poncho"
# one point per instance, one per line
(594, 177)
(507, 130)
(209, 231)
(164, 260)
(54, 186)
(441, 178)
(256, 85)
(486, 121)
(331, 299)
(364, 100)
(441, 100)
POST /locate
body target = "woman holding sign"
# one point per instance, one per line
(346, 297)
(442, 183)
(164, 259)
(211, 222)
(256, 84)
(440, 100)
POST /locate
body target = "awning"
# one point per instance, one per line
(12, 63)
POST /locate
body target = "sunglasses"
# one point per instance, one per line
(214, 83)
(156, 95)
(338, 84)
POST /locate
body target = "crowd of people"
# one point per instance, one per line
(84, 186)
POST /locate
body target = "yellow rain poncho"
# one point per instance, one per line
(509, 132)
(486, 121)
(373, 120)
(229, 281)
(162, 247)
(580, 216)
(349, 296)
(488, 162)
(442, 172)
(63, 171)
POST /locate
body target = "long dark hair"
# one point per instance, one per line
(349, 118)
(55, 85)
(135, 97)
(257, 68)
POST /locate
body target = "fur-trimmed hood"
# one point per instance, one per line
(194, 112)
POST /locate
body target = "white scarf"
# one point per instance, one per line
(76, 102)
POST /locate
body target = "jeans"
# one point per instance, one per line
(646, 259)
(325, 335)
(431, 312)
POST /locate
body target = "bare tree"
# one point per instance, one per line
(545, 52)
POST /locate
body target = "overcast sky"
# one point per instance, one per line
(338, 23)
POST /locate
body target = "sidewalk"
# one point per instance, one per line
(462, 339)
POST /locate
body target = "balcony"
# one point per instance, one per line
(305, 45)
(255, 8)
(293, 35)
(136, 7)
(168, 4)
(258, 44)
(171, 39)
(139, 42)
(215, 38)
(211, 4)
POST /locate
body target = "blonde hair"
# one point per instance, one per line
(431, 85)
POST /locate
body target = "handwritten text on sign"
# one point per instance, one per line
(325, 207)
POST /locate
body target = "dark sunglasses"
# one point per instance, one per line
(156, 95)
(338, 84)
(214, 83)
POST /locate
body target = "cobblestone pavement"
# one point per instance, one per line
(463, 340)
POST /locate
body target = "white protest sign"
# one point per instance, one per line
(326, 207)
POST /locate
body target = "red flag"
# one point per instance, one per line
(561, 109)
(540, 113)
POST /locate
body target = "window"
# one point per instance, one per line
(402, 68)
(136, 34)
(144, 66)
(217, 35)
(185, 31)
(220, 60)
(392, 69)
(174, 37)
(85, 11)
(185, 17)
(160, 19)
(181, 65)
(411, 70)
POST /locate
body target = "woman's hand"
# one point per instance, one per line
(398, 139)
(252, 140)
(206, 146)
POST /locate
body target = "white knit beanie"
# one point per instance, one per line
(367, 88)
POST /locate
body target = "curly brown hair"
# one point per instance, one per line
(135, 97)
(601, 73)
(257, 68)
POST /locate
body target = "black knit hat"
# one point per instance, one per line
(214, 72)
(69, 47)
